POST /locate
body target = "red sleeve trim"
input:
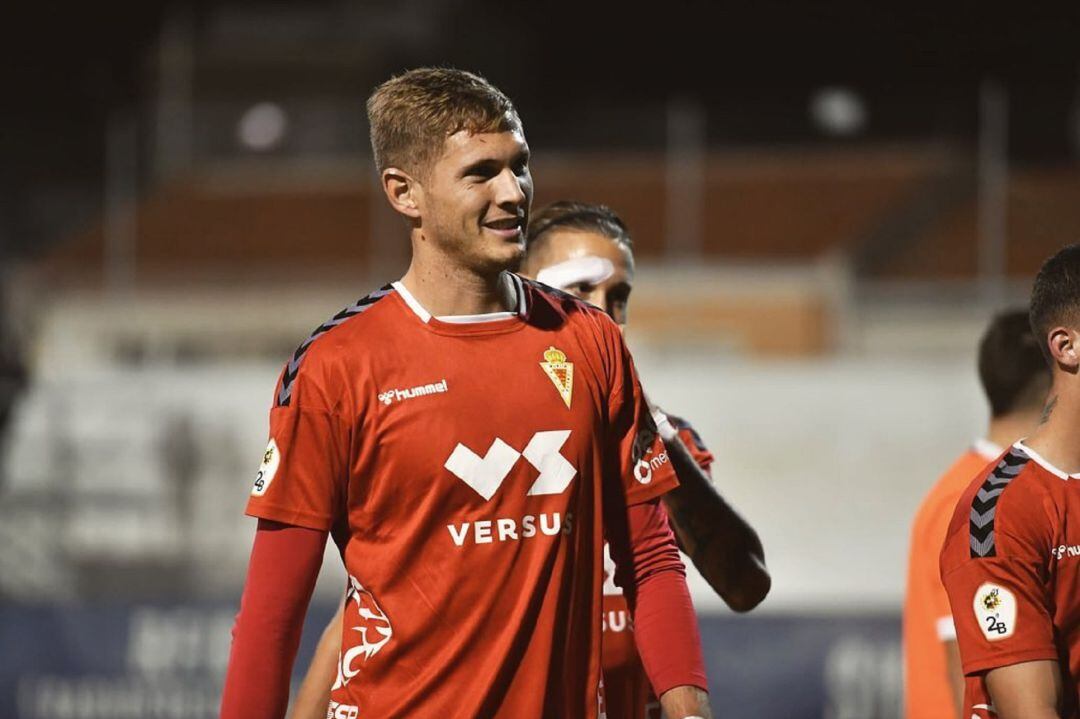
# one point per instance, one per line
(289, 515)
(654, 490)
(1008, 659)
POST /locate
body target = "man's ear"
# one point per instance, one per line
(1063, 348)
(403, 191)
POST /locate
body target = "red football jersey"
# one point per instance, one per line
(1011, 566)
(463, 466)
(627, 691)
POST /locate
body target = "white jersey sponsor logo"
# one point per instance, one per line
(508, 529)
(486, 474)
(342, 711)
(644, 468)
(389, 396)
(1066, 550)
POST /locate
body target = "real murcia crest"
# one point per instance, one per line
(560, 372)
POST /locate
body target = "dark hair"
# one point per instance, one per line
(568, 214)
(411, 115)
(1011, 366)
(1055, 297)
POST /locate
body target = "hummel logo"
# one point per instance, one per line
(400, 395)
(486, 474)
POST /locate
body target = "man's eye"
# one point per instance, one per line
(582, 288)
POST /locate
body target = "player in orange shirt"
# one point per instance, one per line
(1011, 560)
(586, 250)
(1014, 378)
(469, 439)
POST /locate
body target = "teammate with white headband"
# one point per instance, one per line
(586, 250)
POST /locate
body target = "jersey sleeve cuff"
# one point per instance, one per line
(288, 515)
(946, 629)
(649, 492)
(997, 661)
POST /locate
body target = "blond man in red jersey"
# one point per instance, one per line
(586, 250)
(1014, 378)
(469, 439)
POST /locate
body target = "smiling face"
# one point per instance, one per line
(588, 265)
(474, 200)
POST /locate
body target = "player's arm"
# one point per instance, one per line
(297, 496)
(1029, 690)
(652, 576)
(993, 567)
(284, 565)
(647, 562)
(314, 695)
(956, 674)
(721, 544)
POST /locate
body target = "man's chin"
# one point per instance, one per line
(505, 257)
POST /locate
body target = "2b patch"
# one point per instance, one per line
(267, 470)
(995, 610)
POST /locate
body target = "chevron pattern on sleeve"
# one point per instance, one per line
(984, 504)
(293, 367)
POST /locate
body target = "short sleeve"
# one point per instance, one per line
(995, 574)
(304, 470)
(635, 451)
(1001, 612)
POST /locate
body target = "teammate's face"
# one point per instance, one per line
(588, 265)
(476, 199)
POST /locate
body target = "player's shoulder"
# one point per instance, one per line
(330, 343)
(1008, 498)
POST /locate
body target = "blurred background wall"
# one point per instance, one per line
(828, 204)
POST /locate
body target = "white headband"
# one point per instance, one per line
(591, 269)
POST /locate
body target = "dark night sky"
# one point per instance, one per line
(65, 69)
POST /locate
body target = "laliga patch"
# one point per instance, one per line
(995, 610)
(267, 470)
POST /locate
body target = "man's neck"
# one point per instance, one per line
(1057, 437)
(445, 289)
(1008, 428)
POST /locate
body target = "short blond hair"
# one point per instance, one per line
(412, 114)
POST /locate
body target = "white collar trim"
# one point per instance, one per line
(425, 316)
(1042, 461)
(469, 319)
(412, 302)
(986, 449)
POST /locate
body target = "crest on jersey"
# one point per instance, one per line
(560, 372)
(363, 621)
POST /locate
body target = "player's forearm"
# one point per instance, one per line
(685, 702)
(314, 694)
(652, 575)
(721, 544)
(955, 671)
(281, 576)
(1028, 690)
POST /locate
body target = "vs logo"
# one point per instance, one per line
(486, 474)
